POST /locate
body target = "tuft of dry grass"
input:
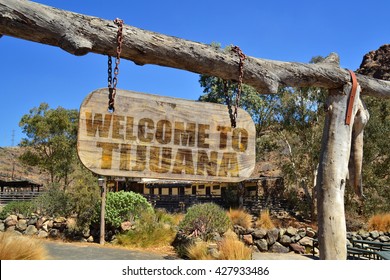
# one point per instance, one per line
(199, 251)
(380, 222)
(231, 248)
(265, 221)
(240, 217)
(15, 247)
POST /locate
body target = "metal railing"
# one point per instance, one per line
(8, 196)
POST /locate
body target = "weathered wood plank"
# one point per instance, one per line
(80, 34)
(162, 137)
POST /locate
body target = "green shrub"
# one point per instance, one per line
(125, 206)
(17, 207)
(54, 202)
(204, 219)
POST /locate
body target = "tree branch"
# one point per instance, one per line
(79, 34)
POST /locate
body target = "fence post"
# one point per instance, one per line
(103, 188)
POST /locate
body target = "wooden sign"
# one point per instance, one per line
(153, 136)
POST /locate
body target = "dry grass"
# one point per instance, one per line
(240, 217)
(265, 220)
(199, 251)
(230, 248)
(15, 247)
(380, 222)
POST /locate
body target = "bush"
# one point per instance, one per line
(150, 231)
(54, 202)
(204, 219)
(125, 206)
(17, 207)
(240, 217)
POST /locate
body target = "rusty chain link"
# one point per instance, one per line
(233, 115)
(112, 82)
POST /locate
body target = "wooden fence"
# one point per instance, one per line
(7, 197)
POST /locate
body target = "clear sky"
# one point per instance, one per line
(285, 30)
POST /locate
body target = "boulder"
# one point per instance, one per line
(21, 225)
(272, 236)
(2, 227)
(302, 232)
(311, 233)
(296, 238)
(31, 230)
(285, 240)
(374, 234)
(306, 241)
(42, 234)
(90, 239)
(291, 231)
(60, 220)
(259, 233)
(262, 245)
(125, 226)
(278, 248)
(32, 221)
(11, 221)
(384, 238)
(299, 249)
(21, 216)
(54, 233)
(248, 239)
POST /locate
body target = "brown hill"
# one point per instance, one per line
(12, 169)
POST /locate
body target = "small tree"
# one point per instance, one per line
(51, 141)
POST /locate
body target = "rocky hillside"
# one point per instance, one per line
(11, 167)
(376, 63)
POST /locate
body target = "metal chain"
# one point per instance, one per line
(113, 82)
(233, 115)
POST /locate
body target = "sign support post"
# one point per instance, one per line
(103, 188)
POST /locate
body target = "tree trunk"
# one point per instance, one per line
(80, 34)
(332, 176)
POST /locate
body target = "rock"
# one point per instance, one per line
(302, 232)
(374, 234)
(310, 233)
(349, 244)
(86, 232)
(40, 222)
(239, 230)
(2, 227)
(90, 239)
(125, 226)
(282, 231)
(54, 233)
(60, 220)
(291, 231)
(384, 238)
(21, 216)
(31, 230)
(11, 221)
(278, 248)
(262, 245)
(42, 234)
(296, 238)
(376, 63)
(285, 240)
(364, 234)
(57, 225)
(32, 221)
(212, 249)
(10, 229)
(47, 225)
(216, 237)
(272, 236)
(21, 225)
(259, 233)
(299, 249)
(306, 241)
(248, 239)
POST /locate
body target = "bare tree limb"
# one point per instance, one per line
(80, 34)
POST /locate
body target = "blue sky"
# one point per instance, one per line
(284, 30)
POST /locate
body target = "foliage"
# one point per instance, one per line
(265, 221)
(231, 248)
(125, 206)
(380, 222)
(16, 247)
(54, 202)
(51, 139)
(84, 195)
(152, 230)
(204, 219)
(17, 207)
(240, 217)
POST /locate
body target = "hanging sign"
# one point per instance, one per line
(154, 136)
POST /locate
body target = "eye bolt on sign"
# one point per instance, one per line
(152, 136)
